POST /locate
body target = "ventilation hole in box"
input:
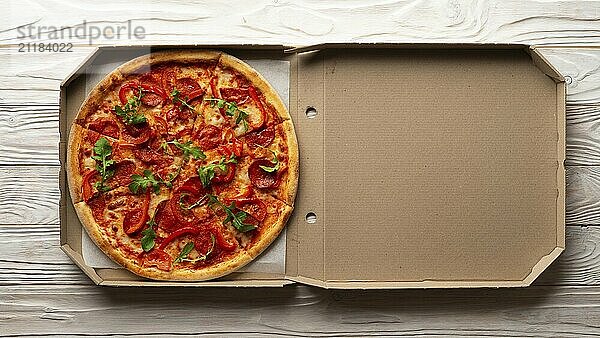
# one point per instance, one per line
(311, 218)
(311, 112)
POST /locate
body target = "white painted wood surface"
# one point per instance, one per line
(42, 293)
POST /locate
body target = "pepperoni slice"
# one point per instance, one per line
(164, 217)
(260, 178)
(253, 206)
(149, 156)
(261, 138)
(237, 95)
(157, 258)
(182, 216)
(194, 186)
(137, 134)
(151, 99)
(203, 242)
(161, 124)
(186, 86)
(209, 137)
(189, 193)
(123, 171)
(105, 126)
(225, 177)
(86, 186)
(136, 219)
(98, 205)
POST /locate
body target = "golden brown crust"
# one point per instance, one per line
(90, 105)
(76, 139)
(291, 184)
(74, 177)
(142, 64)
(270, 234)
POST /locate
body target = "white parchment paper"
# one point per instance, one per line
(272, 260)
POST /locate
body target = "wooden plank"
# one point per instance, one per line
(29, 195)
(583, 195)
(299, 311)
(302, 22)
(31, 256)
(31, 134)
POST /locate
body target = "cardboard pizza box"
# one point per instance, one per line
(421, 166)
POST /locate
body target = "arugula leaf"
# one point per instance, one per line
(201, 257)
(149, 234)
(207, 172)
(148, 239)
(231, 109)
(176, 99)
(140, 182)
(129, 112)
(275, 161)
(236, 218)
(184, 252)
(188, 149)
(102, 151)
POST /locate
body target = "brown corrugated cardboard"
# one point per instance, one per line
(426, 166)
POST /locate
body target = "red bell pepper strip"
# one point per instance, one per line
(190, 230)
(254, 96)
(134, 85)
(86, 185)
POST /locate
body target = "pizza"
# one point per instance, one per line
(183, 165)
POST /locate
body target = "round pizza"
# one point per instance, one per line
(183, 165)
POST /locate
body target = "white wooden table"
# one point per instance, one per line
(43, 293)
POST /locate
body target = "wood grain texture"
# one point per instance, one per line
(84, 311)
(308, 21)
(29, 195)
(42, 293)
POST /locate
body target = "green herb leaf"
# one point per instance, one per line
(129, 112)
(231, 109)
(102, 151)
(141, 183)
(184, 252)
(175, 95)
(235, 218)
(148, 239)
(188, 149)
(149, 235)
(207, 172)
(201, 257)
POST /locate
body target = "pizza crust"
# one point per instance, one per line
(74, 178)
(291, 184)
(270, 234)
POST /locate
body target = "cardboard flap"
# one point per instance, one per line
(428, 165)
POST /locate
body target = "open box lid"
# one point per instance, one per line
(427, 166)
